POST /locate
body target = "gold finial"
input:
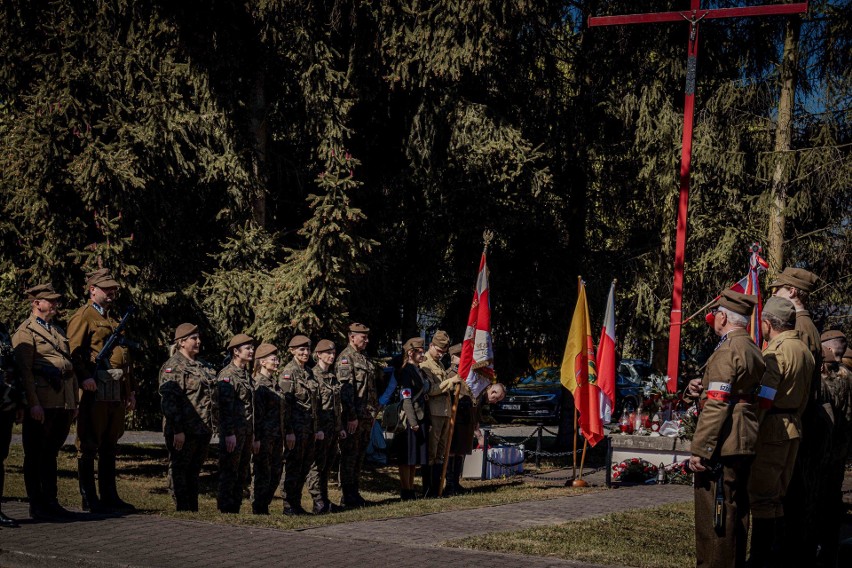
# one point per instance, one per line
(487, 237)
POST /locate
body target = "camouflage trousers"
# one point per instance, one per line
(297, 464)
(324, 452)
(267, 466)
(352, 452)
(233, 473)
(185, 467)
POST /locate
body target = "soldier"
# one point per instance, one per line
(269, 420)
(329, 422)
(235, 393)
(186, 394)
(12, 403)
(461, 444)
(44, 361)
(412, 444)
(801, 501)
(300, 395)
(107, 393)
(440, 408)
(726, 435)
(357, 377)
(847, 359)
(835, 340)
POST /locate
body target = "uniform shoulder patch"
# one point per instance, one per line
(344, 360)
(286, 376)
(225, 379)
(167, 370)
(405, 393)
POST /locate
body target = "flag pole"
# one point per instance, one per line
(580, 482)
(574, 453)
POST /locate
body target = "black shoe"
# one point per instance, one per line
(116, 504)
(259, 510)
(295, 512)
(8, 522)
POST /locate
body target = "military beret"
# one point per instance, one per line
(413, 343)
(359, 328)
(441, 340)
(736, 302)
(456, 349)
(299, 341)
(798, 278)
(781, 308)
(101, 278)
(185, 330)
(240, 339)
(832, 334)
(265, 350)
(324, 345)
(828, 355)
(42, 292)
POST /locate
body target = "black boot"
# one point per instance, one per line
(762, 535)
(426, 480)
(321, 507)
(5, 522)
(449, 482)
(458, 469)
(350, 497)
(106, 483)
(88, 494)
(437, 470)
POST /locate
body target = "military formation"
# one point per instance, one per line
(773, 433)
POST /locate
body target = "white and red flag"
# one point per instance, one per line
(477, 356)
(606, 359)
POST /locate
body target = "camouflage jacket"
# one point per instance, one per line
(330, 408)
(837, 391)
(186, 396)
(357, 376)
(270, 409)
(235, 397)
(300, 394)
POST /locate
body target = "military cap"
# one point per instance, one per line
(798, 278)
(240, 339)
(832, 334)
(185, 330)
(265, 350)
(413, 343)
(828, 355)
(358, 328)
(324, 345)
(441, 340)
(42, 292)
(736, 302)
(101, 278)
(847, 357)
(456, 349)
(782, 309)
(299, 341)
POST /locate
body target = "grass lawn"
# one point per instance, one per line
(142, 481)
(663, 537)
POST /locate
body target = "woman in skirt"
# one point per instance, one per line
(412, 444)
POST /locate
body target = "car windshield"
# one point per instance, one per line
(545, 378)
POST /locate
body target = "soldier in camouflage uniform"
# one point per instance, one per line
(186, 393)
(107, 394)
(44, 362)
(300, 394)
(329, 422)
(12, 403)
(357, 377)
(235, 394)
(270, 415)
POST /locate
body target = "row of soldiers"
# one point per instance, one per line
(773, 433)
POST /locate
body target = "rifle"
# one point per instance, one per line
(114, 340)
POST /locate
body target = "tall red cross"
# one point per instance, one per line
(692, 17)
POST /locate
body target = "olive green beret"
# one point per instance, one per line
(798, 278)
(359, 328)
(185, 330)
(441, 340)
(240, 339)
(736, 302)
(299, 341)
(832, 334)
(324, 345)
(413, 343)
(42, 292)
(265, 350)
(101, 278)
(782, 309)
(456, 349)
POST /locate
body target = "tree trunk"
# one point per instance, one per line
(783, 141)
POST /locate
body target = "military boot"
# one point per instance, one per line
(449, 483)
(458, 470)
(762, 535)
(437, 470)
(89, 495)
(426, 480)
(321, 507)
(106, 483)
(349, 499)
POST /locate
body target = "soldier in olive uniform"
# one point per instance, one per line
(329, 422)
(107, 394)
(43, 356)
(781, 400)
(357, 377)
(186, 395)
(801, 501)
(300, 395)
(12, 403)
(726, 434)
(835, 340)
(440, 408)
(270, 416)
(235, 393)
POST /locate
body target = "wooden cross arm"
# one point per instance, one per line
(694, 16)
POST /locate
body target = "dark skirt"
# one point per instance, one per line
(410, 447)
(462, 442)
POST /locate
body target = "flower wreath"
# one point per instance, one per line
(634, 469)
(678, 473)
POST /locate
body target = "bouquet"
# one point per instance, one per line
(634, 469)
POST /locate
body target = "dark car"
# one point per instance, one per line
(535, 397)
